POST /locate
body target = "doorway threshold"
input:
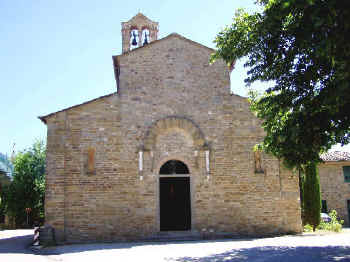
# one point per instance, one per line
(187, 235)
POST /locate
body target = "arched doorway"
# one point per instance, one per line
(174, 197)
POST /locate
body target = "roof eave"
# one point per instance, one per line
(43, 118)
(162, 39)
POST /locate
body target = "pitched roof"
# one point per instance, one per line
(176, 35)
(139, 15)
(336, 156)
(43, 118)
(172, 35)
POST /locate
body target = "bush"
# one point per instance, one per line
(26, 192)
(308, 228)
(334, 225)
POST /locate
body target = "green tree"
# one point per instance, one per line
(27, 189)
(301, 48)
(311, 196)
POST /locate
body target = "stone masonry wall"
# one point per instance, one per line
(171, 104)
(333, 188)
(173, 78)
(80, 205)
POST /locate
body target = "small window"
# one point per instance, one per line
(324, 206)
(346, 171)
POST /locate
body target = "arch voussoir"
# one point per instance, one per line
(164, 124)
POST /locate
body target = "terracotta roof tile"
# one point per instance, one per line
(336, 156)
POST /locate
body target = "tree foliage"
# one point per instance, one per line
(27, 189)
(301, 48)
(311, 196)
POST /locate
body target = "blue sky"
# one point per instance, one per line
(55, 54)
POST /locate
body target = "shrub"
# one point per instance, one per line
(27, 188)
(308, 228)
(334, 225)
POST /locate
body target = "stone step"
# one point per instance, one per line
(175, 236)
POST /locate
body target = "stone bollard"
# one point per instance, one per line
(47, 236)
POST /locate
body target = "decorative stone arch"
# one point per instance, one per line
(174, 157)
(134, 27)
(176, 212)
(174, 122)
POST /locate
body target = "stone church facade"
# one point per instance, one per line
(170, 151)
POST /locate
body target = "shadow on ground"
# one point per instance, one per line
(77, 248)
(274, 254)
(16, 244)
(257, 254)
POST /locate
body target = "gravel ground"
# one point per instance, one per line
(308, 247)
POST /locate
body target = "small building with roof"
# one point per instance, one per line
(335, 183)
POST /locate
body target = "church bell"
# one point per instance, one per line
(146, 39)
(134, 42)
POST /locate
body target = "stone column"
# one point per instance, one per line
(125, 40)
(140, 37)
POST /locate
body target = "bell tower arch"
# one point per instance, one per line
(138, 31)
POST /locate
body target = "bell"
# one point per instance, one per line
(134, 42)
(146, 41)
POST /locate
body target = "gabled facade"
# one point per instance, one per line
(171, 150)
